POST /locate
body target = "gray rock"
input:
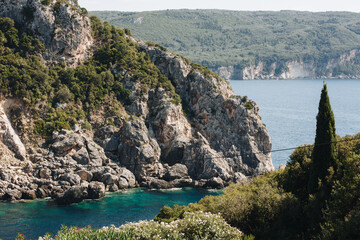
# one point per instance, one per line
(106, 132)
(112, 145)
(158, 184)
(123, 183)
(8, 134)
(96, 190)
(109, 179)
(4, 176)
(12, 195)
(45, 173)
(75, 194)
(137, 149)
(282, 167)
(175, 172)
(215, 183)
(82, 156)
(84, 184)
(72, 178)
(2, 194)
(85, 175)
(28, 194)
(180, 183)
(114, 188)
(65, 141)
(41, 193)
(240, 178)
(28, 167)
(129, 176)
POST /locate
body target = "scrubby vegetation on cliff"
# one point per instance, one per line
(60, 97)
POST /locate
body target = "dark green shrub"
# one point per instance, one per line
(46, 2)
(249, 105)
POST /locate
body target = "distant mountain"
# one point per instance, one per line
(253, 45)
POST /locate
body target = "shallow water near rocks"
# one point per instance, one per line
(35, 218)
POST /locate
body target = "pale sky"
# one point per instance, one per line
(272, 5)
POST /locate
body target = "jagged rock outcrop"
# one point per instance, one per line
(63, 28)
(221, 122)
(57, 174)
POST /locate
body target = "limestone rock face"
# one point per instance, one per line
(8, 135)
(237, 140)
(65, 30)
(138, 151)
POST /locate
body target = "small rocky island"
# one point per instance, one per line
(159, 120)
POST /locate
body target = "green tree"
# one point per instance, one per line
(324, 153)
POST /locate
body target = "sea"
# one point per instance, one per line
(287, 107)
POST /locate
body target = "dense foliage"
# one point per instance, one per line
(278, 206)
(196, 225)
(59, 97)
(226, 38)
(324, 153)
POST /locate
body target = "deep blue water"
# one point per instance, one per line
(35, 218)
(289, 109)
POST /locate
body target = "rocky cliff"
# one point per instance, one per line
(181, 126)
(338, 67)
(61, 26)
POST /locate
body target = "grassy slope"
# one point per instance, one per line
(218, 37)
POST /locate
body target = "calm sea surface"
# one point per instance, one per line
(287, 107)
(35, 218)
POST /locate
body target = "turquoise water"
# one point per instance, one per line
(36, 218)
(289, 109)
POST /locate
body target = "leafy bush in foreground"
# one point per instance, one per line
(260, 208)
(197, 225)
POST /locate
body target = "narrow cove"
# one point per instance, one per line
(35, 218)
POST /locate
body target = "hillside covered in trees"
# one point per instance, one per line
(247, 45)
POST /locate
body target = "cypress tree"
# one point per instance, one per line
(324, 153)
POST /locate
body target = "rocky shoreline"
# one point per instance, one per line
(76, 168)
